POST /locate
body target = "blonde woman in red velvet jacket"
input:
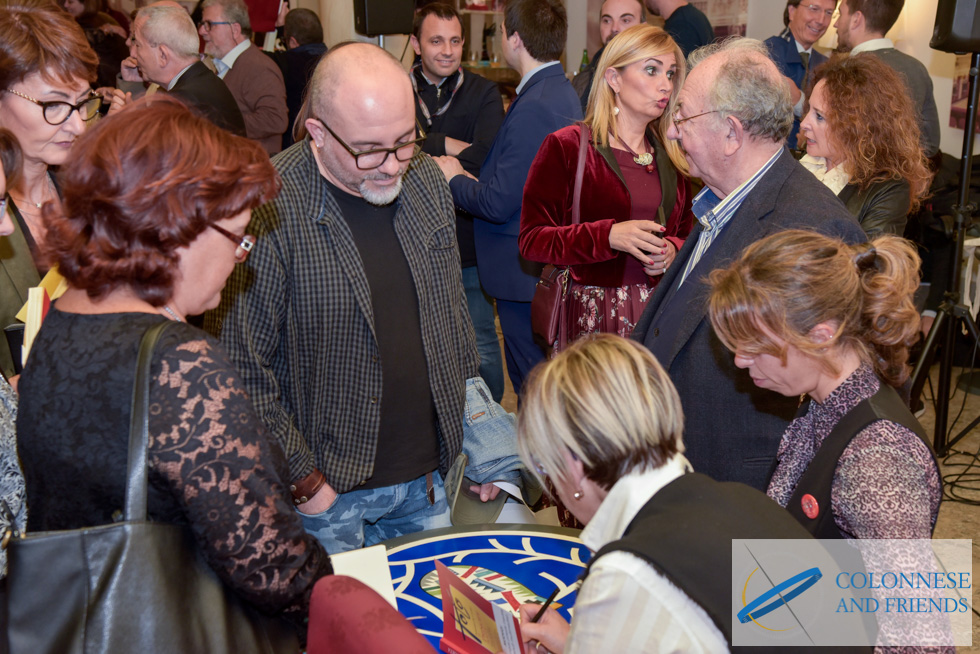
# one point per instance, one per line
(635, 205)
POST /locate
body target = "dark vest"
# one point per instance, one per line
(818, 479)
(685, 532)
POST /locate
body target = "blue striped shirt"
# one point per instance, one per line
(714, 213)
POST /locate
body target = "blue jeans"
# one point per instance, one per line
(361, 518)
(481, 314)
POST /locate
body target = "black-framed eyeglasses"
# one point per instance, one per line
(3, 207)
(680, 121)
(56, 112)
(371, 159)
(245, 243)
(208, 24)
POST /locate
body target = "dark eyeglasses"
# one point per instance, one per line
(56, 111)
(371, 159)
(245, 243)
(3, 207)
(208, 24)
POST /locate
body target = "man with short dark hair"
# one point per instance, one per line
(792, 49)
(733, 114)
(349, 324)
(460, 113)
(614, 17)
(861, 27)
(685, 23)
(252, 78)
(534, 38)
(302, 34)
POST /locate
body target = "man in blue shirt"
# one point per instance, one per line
(732, 117)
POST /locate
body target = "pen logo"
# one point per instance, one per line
(777, 596)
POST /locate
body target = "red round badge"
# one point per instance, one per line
(810, 507)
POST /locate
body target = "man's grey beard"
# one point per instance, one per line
(380, 197)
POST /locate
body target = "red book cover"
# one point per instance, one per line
(471, 624)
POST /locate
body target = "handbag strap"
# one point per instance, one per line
(139, 426)
(583, 144)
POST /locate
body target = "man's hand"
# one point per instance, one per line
(451, 167)
(794, 90)
(108, 28)
(130, 71)
(323, 500)
(117, 100)
(455, 146)
(547, 635)
(487, 491)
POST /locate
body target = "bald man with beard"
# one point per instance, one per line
(348, 321)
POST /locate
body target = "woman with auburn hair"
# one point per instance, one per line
(152, 223)
(635, 204)
(603, 422)
(862, 141)
(807, 314)
(46, 68)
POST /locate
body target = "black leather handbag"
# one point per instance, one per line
(132, 586)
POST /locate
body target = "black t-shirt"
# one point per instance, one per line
(408, 440)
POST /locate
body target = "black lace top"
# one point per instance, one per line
(212, 465)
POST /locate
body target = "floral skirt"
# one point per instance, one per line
(594, 310)
(604, 309)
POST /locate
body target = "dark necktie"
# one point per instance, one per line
(805, 58)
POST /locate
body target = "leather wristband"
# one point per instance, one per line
(305, 488)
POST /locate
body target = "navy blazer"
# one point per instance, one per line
(732, 428)
(546, 104)
(782, 50)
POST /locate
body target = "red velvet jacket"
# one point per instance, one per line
(546, 235)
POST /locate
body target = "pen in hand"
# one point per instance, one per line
(544, 607)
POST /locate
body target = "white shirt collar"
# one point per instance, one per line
(626, 498)
(799, 46)
(228, 61)
(176, 77)
(531, 72)
(873, 44)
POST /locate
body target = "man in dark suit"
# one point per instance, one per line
(732, 119)
(534, 37)
(164, 48)
(302, 34)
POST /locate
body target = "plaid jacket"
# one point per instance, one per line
(298, 322)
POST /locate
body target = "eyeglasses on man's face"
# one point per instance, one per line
(675, 117)
(375, 158)
(56, 112)
(816, 10)
(208, 24)
(245, 243)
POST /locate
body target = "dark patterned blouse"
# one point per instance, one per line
(211, 464)
(885, 485)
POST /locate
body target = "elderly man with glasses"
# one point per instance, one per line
(348, 322)
(253, 78)
(792, 49)
(732, 117)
